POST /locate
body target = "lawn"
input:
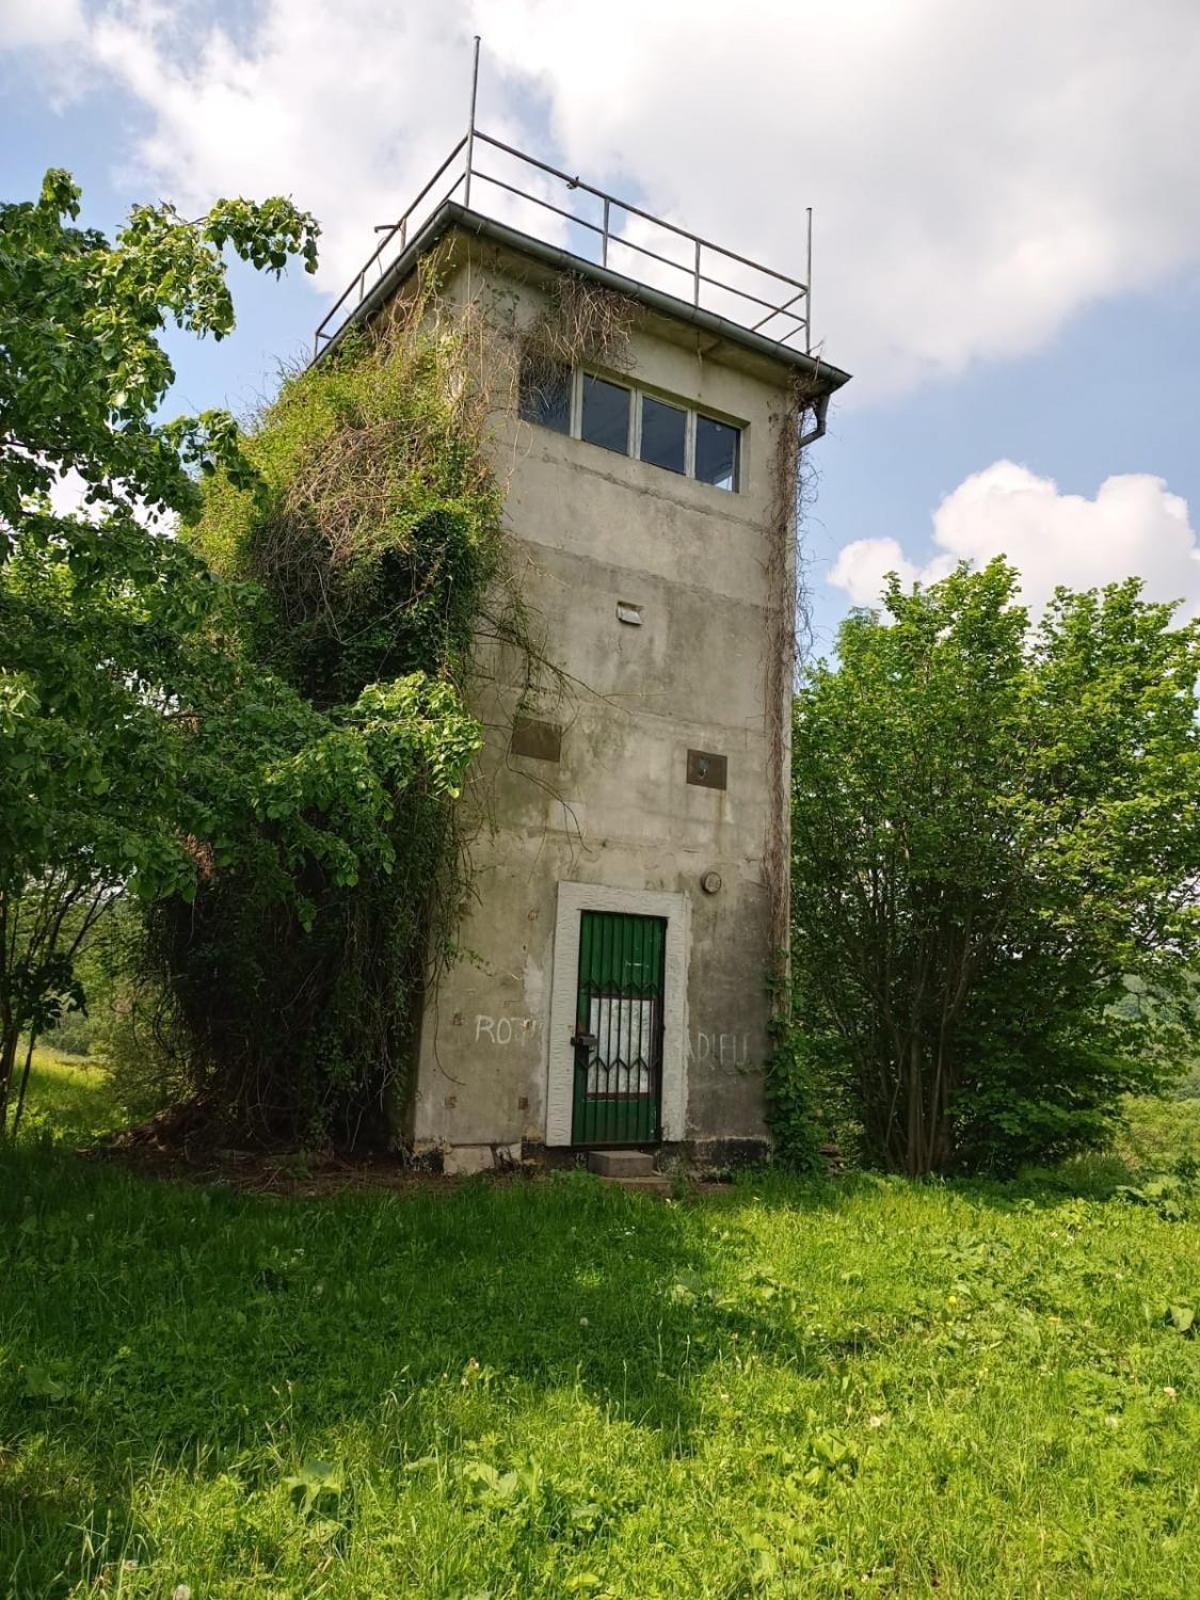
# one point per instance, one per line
(555, 1388)
(68, 1100)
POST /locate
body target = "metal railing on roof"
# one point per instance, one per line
(761, 298)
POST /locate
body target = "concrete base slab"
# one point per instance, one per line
(621, 1163)
(465, 1160)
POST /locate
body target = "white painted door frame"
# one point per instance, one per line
(573, 900)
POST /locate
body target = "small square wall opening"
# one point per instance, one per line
(540, 740)
(707, 769)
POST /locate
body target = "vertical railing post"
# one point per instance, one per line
(696, 277)
(808, 339)
(604, 236)
(471, 125)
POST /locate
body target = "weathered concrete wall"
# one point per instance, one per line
(591, 528)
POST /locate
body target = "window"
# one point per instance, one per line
(664, 434)
(621, 418)
(605, 414)
(624, 1031)
(717, 452)
(545, 395)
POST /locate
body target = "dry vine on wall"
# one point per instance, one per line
(377, 543)
(787, 634)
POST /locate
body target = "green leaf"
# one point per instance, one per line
(1182, 1319)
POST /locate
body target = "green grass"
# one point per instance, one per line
(1161, 1134)
(556, 1389)
(69, 1100)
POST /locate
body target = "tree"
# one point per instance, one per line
(996, 842)
(93, 604)
(146, 747)
(96, 606)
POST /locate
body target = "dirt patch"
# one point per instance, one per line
(308, 1175)
(184, 1144)
(291, 1174)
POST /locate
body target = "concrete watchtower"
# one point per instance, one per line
(632, 883)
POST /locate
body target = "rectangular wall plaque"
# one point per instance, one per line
(541, 740)
(706, 769)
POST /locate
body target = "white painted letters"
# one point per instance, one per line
(503, 1030)
(727, 1049)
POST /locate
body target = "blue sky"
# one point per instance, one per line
(1008, 234)
(1117, 391)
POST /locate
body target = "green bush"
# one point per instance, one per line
(996, 831)
(73, 1036)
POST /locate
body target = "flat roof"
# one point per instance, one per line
(450, 215)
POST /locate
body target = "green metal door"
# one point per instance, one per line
(618, 1029)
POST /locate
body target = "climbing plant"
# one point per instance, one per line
(372, 539)
(578, 321)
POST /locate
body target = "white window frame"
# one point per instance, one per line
(573, 900)
(634, 440)
(633, 432)
(727, 422)
(689, 429)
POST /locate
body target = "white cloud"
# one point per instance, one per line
(68, 495)
(862, 565)
(342, 107)
(68, 498)
(40, 24)
(1133, 527)
(980, 172)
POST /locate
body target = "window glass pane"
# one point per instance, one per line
(623, 1030)
(545, 395)
(717, 452)
(605, 414)
(664, 435)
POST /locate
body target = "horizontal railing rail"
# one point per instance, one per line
(773, 292)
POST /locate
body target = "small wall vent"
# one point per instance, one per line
(540, 740)
(706, 769)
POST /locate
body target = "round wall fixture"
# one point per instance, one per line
(710, 881)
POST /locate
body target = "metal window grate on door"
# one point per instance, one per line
(619, 1029)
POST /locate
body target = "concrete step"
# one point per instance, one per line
(655, 1184)
(621, 1163)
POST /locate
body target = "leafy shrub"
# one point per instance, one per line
(804, 1113)
(73, 1036)
(996, 833)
